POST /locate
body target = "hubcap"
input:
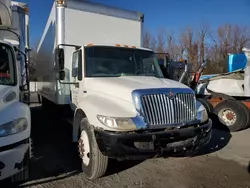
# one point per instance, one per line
(83, 147)
(228, 116)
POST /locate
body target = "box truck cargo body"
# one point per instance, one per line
(81, 23)
(90, 58)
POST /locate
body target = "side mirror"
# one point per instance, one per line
(61, 58)
(28, 50)
(18, 57)
(61, 75)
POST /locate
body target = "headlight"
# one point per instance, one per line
(13, 127)
(201, 112)
(117, 123)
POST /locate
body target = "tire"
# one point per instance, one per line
(23, 176)
(97, 164)
(241, 119)
(206, 104)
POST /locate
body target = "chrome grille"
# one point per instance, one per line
(160, 109)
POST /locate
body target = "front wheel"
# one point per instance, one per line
(23, 176)
(94, 163)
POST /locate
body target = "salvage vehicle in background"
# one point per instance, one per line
(226, 95)
(229, 94)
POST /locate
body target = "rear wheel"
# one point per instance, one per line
(233, 114)
(94, 163)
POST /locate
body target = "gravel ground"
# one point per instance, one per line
(55, 164)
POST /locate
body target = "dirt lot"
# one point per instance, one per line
(55, 163)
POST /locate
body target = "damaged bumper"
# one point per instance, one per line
(12, 158)
(135, 146)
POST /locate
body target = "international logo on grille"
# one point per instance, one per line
(171, 95)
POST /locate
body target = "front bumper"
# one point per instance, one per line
(136, 146)
(12, 158)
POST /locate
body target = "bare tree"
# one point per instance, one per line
(172, 47)
(241, 37)
(32, 62)
(197, 45)
(160, 45)
(186, 40)
(191, 46)
(228, 38)
(153, 43)
(147, 39)
(202, 36)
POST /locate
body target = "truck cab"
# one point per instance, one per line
(125, 109)
(15, 120)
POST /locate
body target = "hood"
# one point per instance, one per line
(121, 87)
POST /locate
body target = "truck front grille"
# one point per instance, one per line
(160, 109)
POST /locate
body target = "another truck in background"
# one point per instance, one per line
(90, 60)
(230, 104)
(174, 69)
(15, 118)
(235, 62)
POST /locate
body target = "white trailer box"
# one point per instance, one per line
(81, 23)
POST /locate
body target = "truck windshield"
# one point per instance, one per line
(116, 61)
(6, 65)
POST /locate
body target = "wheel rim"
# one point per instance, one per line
(228, 116)
(84, 149)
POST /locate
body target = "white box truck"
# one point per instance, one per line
(90, 58)
(15, 120)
